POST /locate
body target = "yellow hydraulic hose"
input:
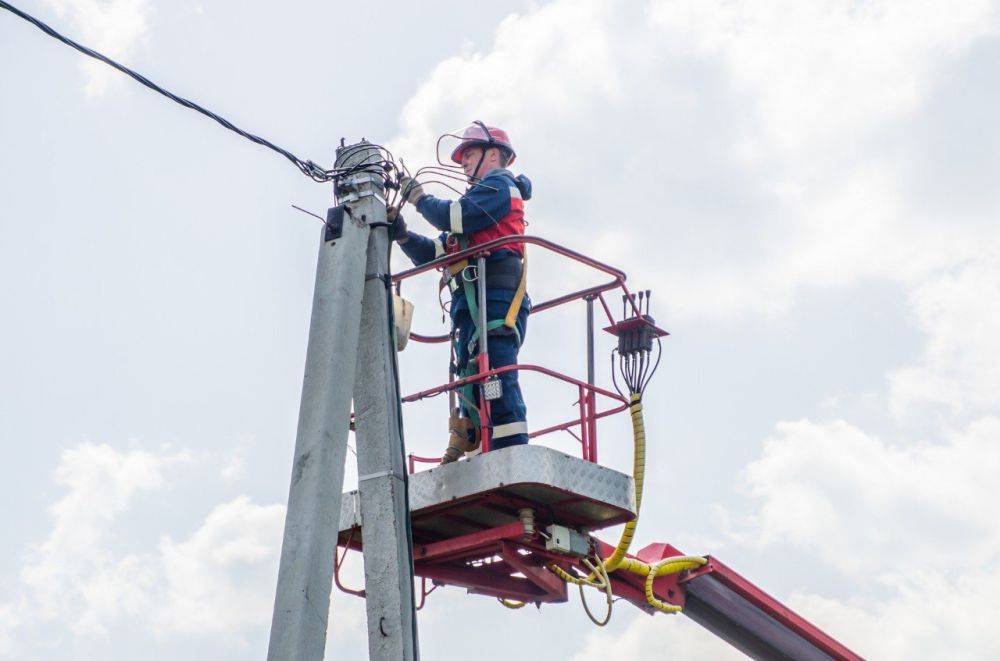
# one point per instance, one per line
(664, 567)
(618, 560)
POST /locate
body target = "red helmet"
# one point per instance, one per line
(480, 135)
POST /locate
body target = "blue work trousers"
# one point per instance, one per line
(502, 346)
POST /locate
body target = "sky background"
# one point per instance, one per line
(810, 190)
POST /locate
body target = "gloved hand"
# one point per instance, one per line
(411, 190)
(397, 226)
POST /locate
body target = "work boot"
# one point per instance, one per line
(464, 437)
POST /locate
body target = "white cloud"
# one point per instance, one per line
(865, 505)
(112, 27)
(960, 366)
(234, 466)
(9, 622)
(911, 528)
(652, 638)
(72, 575)
(89, 577)
(930, 614)
(828, 69)
(743, 139)
(911, 524)
(221, 579)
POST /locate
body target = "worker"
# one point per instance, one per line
(492, 207)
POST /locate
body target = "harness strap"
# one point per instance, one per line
(467, 392)
(510, 320)
(491, 325)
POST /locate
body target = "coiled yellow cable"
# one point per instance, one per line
(618, 560)
(664, 567)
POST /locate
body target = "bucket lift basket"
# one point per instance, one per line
(496, 522)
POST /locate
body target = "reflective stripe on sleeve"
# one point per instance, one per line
(510, 429)
(456, 217)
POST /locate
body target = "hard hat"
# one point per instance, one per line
(480, 135)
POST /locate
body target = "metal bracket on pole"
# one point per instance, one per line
(334, 223)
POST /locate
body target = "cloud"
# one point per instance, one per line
(744, 141)
(931, 614)
(865, 505)
(908, 521)
(653, 638)
(823, 70)
(112, 27)
(959, 370)
(89, 577)
(221, 579)
(9, 622)
(234, 466)
(72, 575)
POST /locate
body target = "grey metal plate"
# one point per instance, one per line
(448, 500)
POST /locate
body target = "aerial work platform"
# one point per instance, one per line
(517, 524)
(482, 522)
(496, 523)
(489, 489)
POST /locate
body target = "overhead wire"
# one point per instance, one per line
(307, 167)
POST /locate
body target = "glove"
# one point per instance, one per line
(411, 190)
(397, 226)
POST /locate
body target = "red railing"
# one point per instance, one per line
(586, 390)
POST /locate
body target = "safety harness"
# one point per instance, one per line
(502, 274)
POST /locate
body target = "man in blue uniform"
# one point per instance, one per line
(492, 208)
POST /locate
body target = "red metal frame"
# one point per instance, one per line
(507, 563)
(587, 392)
(618, 277)
(510, 561)
(587, 419)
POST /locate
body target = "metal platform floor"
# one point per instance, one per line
(487, 491)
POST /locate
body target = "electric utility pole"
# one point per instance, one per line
(352, 352)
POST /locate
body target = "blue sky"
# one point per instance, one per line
(809, 189)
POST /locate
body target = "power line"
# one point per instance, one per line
(308, 168)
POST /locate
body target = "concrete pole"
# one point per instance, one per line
(305, 574)
(382, 477)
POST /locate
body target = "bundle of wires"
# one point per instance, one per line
(636, 367)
